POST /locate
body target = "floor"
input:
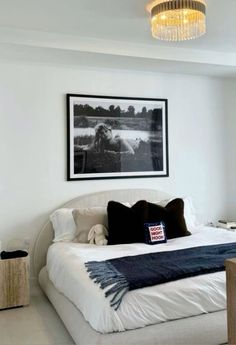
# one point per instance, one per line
(36, 324)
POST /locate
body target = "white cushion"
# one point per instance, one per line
(189, 212)
(69, 226)
(63, 224)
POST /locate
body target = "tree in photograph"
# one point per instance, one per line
(144, 111)
(88, 110)
(130, 111)
(81, 121)
(79, 110)
(117, 111)
(112, 110)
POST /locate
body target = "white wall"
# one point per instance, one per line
(33, 139)
(230, 152)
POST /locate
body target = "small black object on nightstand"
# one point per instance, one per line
(13, 254)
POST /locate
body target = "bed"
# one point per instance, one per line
(206, 328)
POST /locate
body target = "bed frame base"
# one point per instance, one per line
(203, 329)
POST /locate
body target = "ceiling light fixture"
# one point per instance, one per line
(177, 20)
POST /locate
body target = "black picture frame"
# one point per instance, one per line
(116, 137)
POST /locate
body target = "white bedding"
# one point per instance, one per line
(141, 307)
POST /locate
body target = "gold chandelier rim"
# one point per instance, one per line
(176, 4)
(169, 5)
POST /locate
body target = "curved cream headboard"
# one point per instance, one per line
(45, 236)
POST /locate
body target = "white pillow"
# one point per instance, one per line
(68, 227)
(189, 212)
(63, 224)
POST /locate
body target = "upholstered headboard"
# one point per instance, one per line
(45, 236)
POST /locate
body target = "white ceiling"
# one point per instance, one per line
(116, 30)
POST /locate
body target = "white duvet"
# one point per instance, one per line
(141, 307)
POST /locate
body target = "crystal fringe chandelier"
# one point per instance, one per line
(177, 20)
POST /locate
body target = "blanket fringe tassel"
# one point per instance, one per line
(105, 274)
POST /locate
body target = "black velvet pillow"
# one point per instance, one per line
(172, 215)
(126, 224)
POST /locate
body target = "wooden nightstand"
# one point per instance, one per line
(14, 282)
(231, 300)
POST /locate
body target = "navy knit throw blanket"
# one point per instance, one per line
(133, 272)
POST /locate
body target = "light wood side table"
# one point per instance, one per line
(230, 265)
(14, 282)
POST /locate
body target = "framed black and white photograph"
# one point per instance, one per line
(116, 137)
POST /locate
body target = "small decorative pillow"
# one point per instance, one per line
(86, 218)
(155, 233)
(63, 225)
